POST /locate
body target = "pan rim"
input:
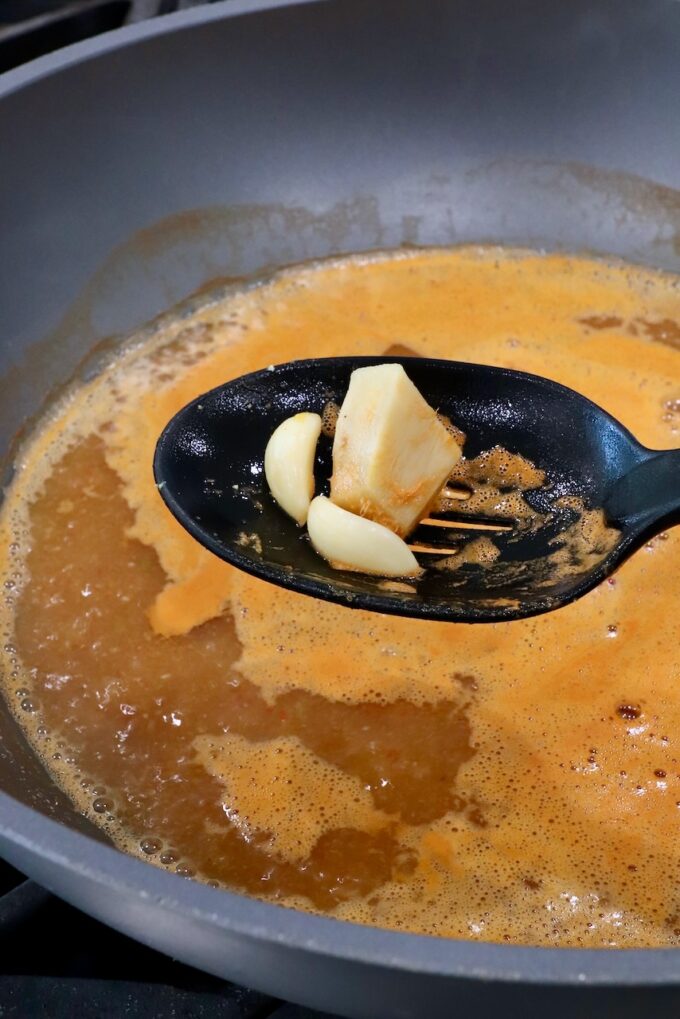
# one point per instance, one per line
(165, 24)
(82, 856)
(237, 914)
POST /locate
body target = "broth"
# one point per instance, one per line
(516, 781)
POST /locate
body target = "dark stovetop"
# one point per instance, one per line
(58, 963)
(29, 28)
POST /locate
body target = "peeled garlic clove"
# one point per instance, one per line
(289, 463)
(350, 542)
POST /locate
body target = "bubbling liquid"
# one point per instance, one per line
(516, 781)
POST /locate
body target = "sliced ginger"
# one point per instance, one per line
(391, 454)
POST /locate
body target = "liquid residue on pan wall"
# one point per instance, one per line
(515, 782)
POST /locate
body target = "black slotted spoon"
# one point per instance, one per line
(208, 467)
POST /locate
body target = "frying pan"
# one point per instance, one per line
(139, 166)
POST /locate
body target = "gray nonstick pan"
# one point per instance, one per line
(137, 167)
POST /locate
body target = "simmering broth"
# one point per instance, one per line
(517, 781)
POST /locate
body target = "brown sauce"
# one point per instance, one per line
(514, 782)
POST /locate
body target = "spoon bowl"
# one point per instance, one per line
(600, 494)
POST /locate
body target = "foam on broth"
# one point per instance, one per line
(516, 781)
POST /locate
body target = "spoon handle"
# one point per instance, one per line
(648, 496)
